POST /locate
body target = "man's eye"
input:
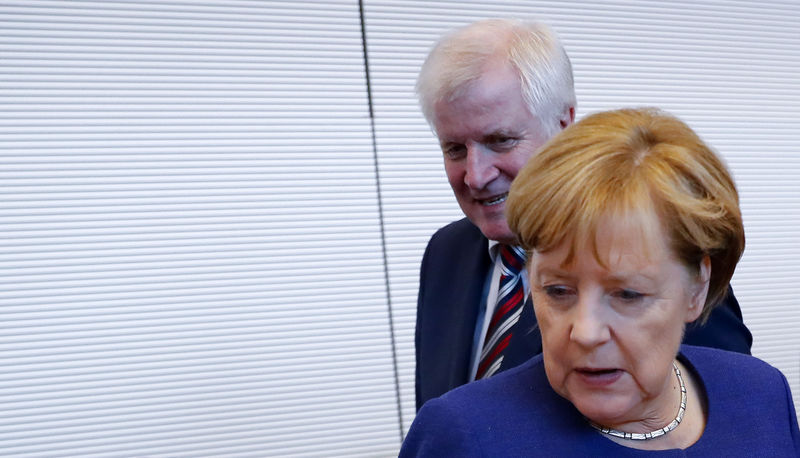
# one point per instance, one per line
(503, 142)
(454, 151)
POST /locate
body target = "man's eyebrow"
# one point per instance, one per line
(500, 133)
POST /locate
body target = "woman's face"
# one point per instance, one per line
(610, 333)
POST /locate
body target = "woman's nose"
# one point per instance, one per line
(589, 324)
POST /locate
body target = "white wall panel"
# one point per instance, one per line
(729, 68)
(190, 258)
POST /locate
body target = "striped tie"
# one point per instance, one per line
(510, 299)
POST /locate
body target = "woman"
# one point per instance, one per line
(632, 229)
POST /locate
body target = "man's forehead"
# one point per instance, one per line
(481, 111)
(474, 121)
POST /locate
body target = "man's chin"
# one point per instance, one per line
(498, 232)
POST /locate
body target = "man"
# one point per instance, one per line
(494, 92)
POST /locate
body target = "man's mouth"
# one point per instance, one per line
(494, 200)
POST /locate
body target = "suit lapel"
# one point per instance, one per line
(454, 274)
(526, 341)
(473, 266)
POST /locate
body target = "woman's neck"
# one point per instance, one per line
(690, 428)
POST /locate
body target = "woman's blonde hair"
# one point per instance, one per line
(624, 164)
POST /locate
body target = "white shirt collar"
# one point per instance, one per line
(494, 249)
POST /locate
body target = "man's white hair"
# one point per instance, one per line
(533, 50)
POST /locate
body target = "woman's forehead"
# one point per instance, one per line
(635, 237)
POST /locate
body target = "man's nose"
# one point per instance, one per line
(480, 167)
(589, 324)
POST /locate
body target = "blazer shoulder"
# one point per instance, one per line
(742, 391)
(502, 388)
(714, 364)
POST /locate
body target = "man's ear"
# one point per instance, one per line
(567, 117)
(698, 300)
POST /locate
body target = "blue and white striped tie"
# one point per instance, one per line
(510, 300)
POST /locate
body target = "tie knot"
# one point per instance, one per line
(513, 258)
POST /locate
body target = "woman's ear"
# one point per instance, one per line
(698, 300)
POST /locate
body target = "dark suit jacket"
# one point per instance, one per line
(454, 270)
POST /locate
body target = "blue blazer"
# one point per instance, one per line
(453, 273)
(750, 413)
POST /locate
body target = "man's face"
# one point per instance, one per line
(487, 134)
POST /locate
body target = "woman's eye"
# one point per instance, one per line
(557, 291)
(629, 295)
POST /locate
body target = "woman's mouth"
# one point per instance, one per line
(598, 376)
